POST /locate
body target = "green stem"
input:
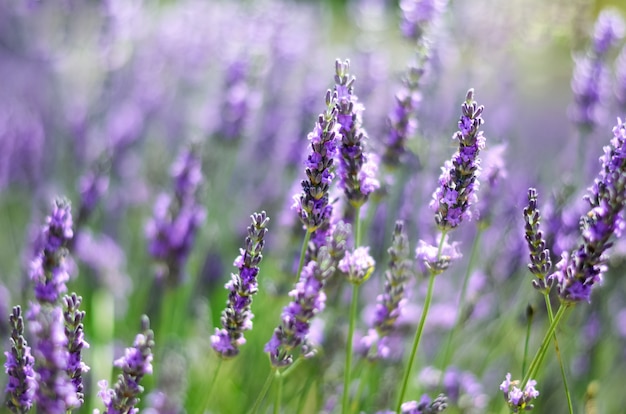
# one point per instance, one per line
(305, 245)
(363, 379)
(279, 391)
(357, 227)
(291, 368)
(207, 394)
(546, 296)
(528, 326)
(261, 396)
(348, 366)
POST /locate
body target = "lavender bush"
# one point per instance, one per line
(402, 271)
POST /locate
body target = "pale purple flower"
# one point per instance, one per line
(357, 265)
(417, 15)
(519, 400)
(540, 263)
(580, 270)
(21, 384)
(237, 317)
(425, 405)
(236, 100)
(608, 30)
(458, 183)
(430, 261)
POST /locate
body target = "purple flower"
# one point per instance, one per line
(74, 331)
(429, 260)
(609, 29)
(237, 317)
(540, 263)
(135, 364)
(312, 204)
(357, 265)
(55, 392)
(21, 385)
(517, 399)
(620, 79)
(236, 105)
(458, 181)
(357, 169)
(308, 299)
(425, 405)
(418, 14)
(172, 230)
(580, 270)
(49, 269)
(389, 303)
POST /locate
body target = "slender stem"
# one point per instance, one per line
(363, 379)
(279, 391)
(546, 296)
(528, 326)
(348, 366)
(261, 396)
(357, 227)
(209, 390)
(305, 245)
(291, 368)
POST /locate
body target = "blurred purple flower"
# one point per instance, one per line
(357, 265)
(237, 317)
(424, 406)
(236, 104)
(580, 270)
(21, 385)
(620, 79)
(417, 15)
(429, 260)
(517, 399)
(609, 30)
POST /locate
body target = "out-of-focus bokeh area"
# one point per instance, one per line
(97, 99)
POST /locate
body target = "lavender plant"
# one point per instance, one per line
(20, 388)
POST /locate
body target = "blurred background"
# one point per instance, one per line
(97, 99)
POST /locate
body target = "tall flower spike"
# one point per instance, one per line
(580, 270)
(389, 304)
(172, 230)
(312, 204)
(20, 389)
(458, 181)
(357, 170)
(308, 299)
(517, 399)
(540, 263)
(49, 269)
(237, 317)
(74, 332)
(135, 364)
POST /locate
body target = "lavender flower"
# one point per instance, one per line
(49, 269)
(74, 332)
(92, 186)
(540, 263)
(172, 230)
(580, 270)
(135, 364)
(431, 261)
(458, 181)
(517, 399)
(402, 120)
(389, 304)
(620, 79)
(357, 265)
(417, 15)
(55, 392)
(609, 29)
(236, 103)
(21, 386)
(424, 406)
(308, 300)
(237, 317)
(312, 204)
(357, 170)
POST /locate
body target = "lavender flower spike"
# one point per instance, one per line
(49, 270)
(517, 399)
(237, 317)
(540, 263)
(74, 332)
(358, 265)
(580, 270)
(20, 389)
(308, 300)
(312, 204)
(390, 302)
(135, 364)
(458, 181)
(357, 170)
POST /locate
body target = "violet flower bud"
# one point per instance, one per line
(517, 399)
(237, 317)
(540, 263)
(357, 169)
(308, 299)
(580, 270)
(135, 364)
(458, 181)
(428, 259)
(357, 265)
(21, 385)
(74, 331)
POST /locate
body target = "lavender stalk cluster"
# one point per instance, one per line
(458, 182)
(389, 304)
(74, 332)
(312, 204)
(540, 263)
(20, 388)
(308, 299)
(579, 270)
(172, 230)
(237, 316)
(590, 72)
(519, 400)
(357, 169)
(135, 364)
